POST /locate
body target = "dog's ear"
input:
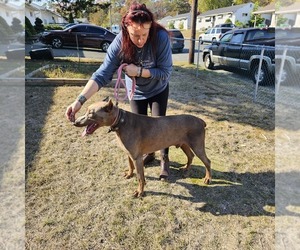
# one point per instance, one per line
(109, 106)
(106, 99)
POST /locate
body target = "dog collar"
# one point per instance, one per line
(118, 121)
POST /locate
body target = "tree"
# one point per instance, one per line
(16, 25)
(71, 19)
(79, 8)
(5, 28)
(29, 29)
(39, 26)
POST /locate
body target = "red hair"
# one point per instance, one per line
(138, 13)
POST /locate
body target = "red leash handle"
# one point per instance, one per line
(120, 82)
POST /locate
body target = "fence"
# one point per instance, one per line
(256, 62)
(258, 92)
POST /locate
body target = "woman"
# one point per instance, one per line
(145, 46)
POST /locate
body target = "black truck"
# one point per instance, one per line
(242, 49)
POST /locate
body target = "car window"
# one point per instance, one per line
(79, 29)
(218, 31)
(269, 33)
(237, 38)
(226, 38)
(176, 34)
(95, 30)
(208, 31)
(224, 30)
(260, 34)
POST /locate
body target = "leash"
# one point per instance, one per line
(121, 82)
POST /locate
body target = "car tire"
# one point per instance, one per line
(264, 78)
(104, 46)
(207, 62)
(57, 43)
(286, 75)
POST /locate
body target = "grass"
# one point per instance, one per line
(62, 68)
(77, 198)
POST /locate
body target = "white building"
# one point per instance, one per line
(42, 10)
(268, 13)
(12, 9)
(241, 13)
(291, 13)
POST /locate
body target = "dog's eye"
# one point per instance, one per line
(91, 113)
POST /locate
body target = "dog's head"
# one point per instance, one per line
(97, 115)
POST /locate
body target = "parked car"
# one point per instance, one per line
(177, 40)
(241, 49)
(230, 25)
(81, 35)
(288, 49)
(213, 34)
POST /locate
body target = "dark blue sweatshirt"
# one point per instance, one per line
(159, 63)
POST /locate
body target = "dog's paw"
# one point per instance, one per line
(207, 180)
(128, 175)
(138, 194)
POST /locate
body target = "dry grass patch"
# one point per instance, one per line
(77, 198)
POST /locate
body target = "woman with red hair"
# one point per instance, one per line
(144, 45)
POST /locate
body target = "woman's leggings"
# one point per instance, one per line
(158, 106)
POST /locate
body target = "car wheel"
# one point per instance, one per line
(286, 74)
(207, 62)
(264, 78)
(213, 40)
(57, 42)
(104, 46)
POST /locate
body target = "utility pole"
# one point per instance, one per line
(193, 32)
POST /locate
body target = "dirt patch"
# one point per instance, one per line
(77, 198)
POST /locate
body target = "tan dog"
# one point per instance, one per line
(141, 134)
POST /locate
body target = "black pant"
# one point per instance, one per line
(158, 106)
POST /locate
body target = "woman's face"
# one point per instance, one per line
(139, 33)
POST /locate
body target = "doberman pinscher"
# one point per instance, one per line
(140, 134)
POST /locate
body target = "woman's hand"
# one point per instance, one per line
(72, 110)
(131, 70)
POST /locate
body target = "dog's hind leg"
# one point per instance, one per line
(200, 152)
(129, 173)
(186, 149)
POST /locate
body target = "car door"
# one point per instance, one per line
(233, 50)
(219, 47)
(206, 35)
(93, 37)
(78, 35)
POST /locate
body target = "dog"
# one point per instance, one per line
(141, 134)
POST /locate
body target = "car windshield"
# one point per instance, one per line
(226, 38)
(176, 34)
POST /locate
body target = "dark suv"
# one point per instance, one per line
(288, 50)
(177, 40)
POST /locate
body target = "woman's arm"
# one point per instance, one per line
(164, 62)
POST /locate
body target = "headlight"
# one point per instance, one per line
(45, 33)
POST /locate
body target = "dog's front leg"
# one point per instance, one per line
(129, 173)
(138, 163)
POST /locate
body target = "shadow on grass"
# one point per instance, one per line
(230, 193)
(227, 98)
(38, 101)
